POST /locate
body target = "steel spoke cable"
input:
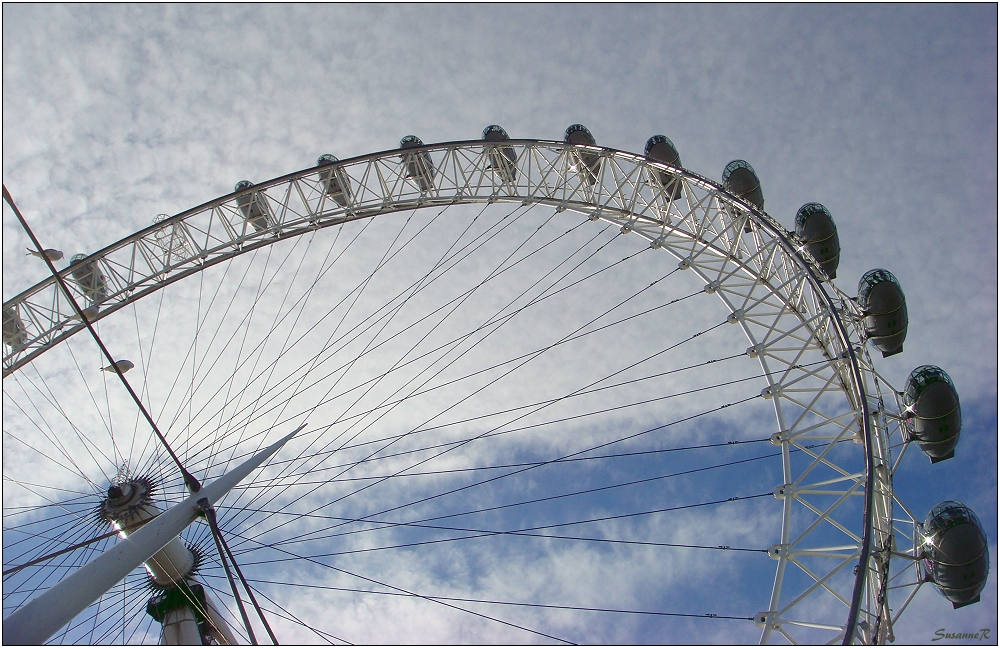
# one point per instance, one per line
(285, 614)
(421, 462)
(361, 385)
(73, 547)
(411, 240)
(367, 280)
(396, 310)
(144, 361)
(477, 391)
(439, 454)
(493, 273)
(506, 410)
(518, 429)
(445, 471)
(505, 475)
(422, 523)
(189, 479)
(493, 602)
(301, 303)
(50, 397)
(106, 422)
(360, 328)
(387, 305)
(522, 531)
(442, 369)
(67, 562)
(54, 439)
(177, 412)
(382, 264)
(461, 338)
(274, 324)
(420, 596)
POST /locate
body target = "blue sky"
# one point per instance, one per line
(885, 114)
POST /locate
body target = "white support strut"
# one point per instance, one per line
(37, 621)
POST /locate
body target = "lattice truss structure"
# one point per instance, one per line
(835, 429)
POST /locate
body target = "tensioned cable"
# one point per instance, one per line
(285, 614)
(301, 302)
(189, 479)
(466, 420)
(504, 375)
(360, 327)
(318, 469)
(75, 467)
(53, 401)
(372, 580)
(404, 591)
(417, 524)
(416, 288)
(479, 510)
(536, 605)
(422, 522)
(492, 479)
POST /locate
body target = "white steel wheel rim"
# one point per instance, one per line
(766, 285)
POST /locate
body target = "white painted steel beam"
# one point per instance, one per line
(35, 622)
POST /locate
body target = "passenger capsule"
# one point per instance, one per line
(740, 179)
(956, 556)
(503, 160)
(661, 149)
(14, 334)
(814, 226)
(335, 182)
(933, 413)
(883, 307)
(89, 278)
(588, 165)
(418, 167)
(253, 206)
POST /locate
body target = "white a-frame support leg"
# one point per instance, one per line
(35, 622)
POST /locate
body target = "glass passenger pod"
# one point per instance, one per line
(933, 411)
(740, 179)
(334, 179)
(956, 554)
(418, 167)
(883, 308)
(588, 165)
(253, 206)
(89, 278)
(503, 159)
(14, 334)
(815, 228)
(661, 149)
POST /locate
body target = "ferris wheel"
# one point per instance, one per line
(493, 390)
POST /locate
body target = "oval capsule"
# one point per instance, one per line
(814, 226)
(253, 206)
(740, 179)
(418, 168)
(661, 149)
(88, 277)
(588, 165)
(335, 182)
(883, 308)
(503, 159)
(956, 554)
(14, 334)
(933, 411)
